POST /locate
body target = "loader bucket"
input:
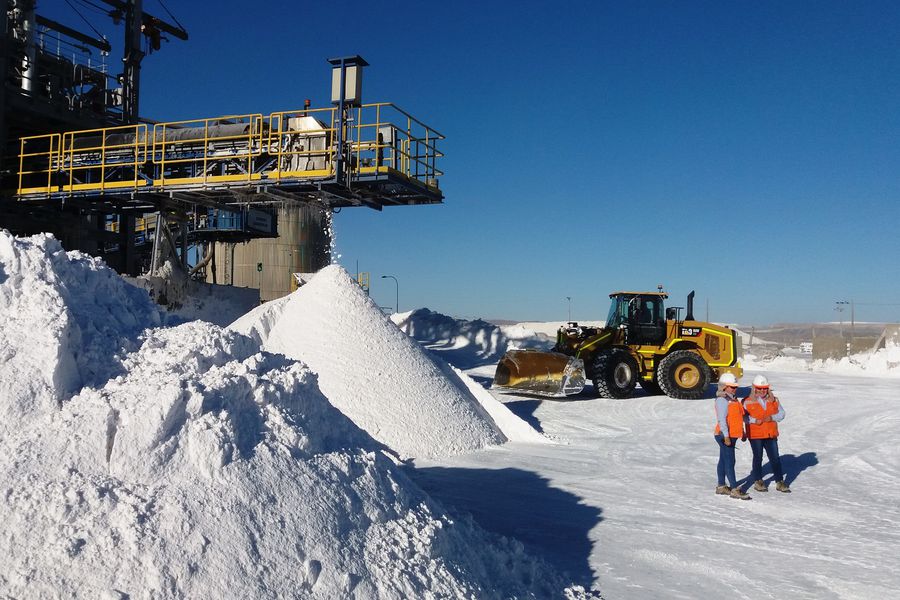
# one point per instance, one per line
(542, 373)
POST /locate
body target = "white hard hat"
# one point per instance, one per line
(727, 379)
(760, 381)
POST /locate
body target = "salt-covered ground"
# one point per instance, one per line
(625, 498)
(140, 461)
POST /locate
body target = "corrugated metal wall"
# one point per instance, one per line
(303, 246)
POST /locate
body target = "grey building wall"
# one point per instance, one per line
(303, 246)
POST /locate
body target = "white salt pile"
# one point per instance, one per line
(203, 468)
(63, 317)
(374, 373)
(466, 343)
(884, 362)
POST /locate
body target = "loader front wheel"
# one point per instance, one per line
(615, 374)
(683, 374)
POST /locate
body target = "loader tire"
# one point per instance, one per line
(683, 374)
(615, 374)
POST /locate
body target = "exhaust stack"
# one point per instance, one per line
(690, 307)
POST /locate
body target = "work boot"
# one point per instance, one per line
(739, 494)
(723, 490)
(760, 486)
(782, 487)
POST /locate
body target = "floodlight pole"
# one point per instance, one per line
(396, 289)
(840, 308)
(569, 298)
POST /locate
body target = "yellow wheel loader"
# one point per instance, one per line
(642, 343)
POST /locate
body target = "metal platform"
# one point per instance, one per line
(389, 158)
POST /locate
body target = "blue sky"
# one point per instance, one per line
(748, 150)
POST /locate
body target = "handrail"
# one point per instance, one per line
(406, 114)
(68, 150)
(53, 150)
(381, 139)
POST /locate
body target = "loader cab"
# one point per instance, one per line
(641, 314)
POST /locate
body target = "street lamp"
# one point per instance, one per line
(397, 289)
(839, 306)
(569, 298)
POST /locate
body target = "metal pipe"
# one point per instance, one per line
(209, 255)
(28, 71)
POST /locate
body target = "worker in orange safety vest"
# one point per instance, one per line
(763, 413)
(729, 429)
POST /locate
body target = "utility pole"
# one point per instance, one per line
(569, 298)
(134, 16)
(138, 24)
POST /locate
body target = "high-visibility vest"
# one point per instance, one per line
(762, 431)
(734, 418)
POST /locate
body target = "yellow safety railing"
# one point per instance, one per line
(41, 153)
(89, 155)
(362, 279)
(380, 139)
(180, 148)
(288, 130)
(387, 136)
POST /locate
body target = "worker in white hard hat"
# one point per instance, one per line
(763, 413)
(729, 429)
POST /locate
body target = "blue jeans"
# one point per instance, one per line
(770, 445)
(725, 467)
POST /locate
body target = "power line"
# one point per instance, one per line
(72, 6)
(95, 7)
(166, 8)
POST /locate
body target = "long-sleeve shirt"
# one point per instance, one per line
(722, 400)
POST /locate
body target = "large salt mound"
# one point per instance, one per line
(374, 373)
(63, 317)
(208, 470)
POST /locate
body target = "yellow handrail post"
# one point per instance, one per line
(70, 159)
(379, 141)
(102, 159)
(205, 148)
(57, 138)
(359, 115)
(162, 154)
(136, 156)
(280, 153)
(21, 161)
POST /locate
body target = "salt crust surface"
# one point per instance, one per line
(182, 462)
(373, 372)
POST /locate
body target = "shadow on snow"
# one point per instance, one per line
(524, 409)
(791, 465)
(551, 523)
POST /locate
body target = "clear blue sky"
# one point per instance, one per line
(748, 150)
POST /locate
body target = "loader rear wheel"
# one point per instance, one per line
(683, 374)
(615, 374)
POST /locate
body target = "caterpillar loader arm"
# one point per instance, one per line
(541, 373)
